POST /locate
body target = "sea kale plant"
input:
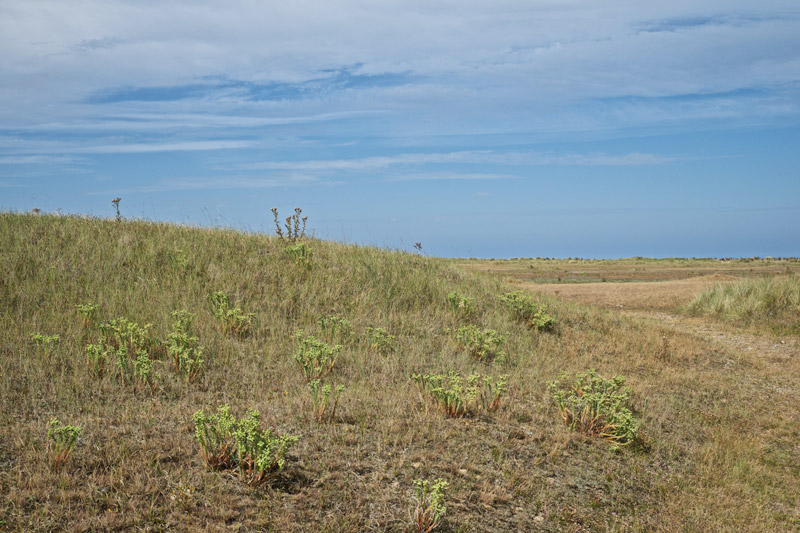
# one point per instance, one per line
(184, 349)
(45, 342)
(596, 406)
(255, 455)
(485, 345)
(88, 311)
(459, 396)
(124, 333)
(335, 327)
(60, 442)
(430, 504)
(232, 320)
(381, 341)
(314, 356)
(461, 305)
(324, 409)
(525, 310)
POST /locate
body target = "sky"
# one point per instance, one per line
(561, 128)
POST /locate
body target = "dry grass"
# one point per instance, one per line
(723, 425)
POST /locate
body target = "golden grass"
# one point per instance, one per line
(723, 423)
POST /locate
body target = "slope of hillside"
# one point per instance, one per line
(719, 432)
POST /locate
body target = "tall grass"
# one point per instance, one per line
(767, 302)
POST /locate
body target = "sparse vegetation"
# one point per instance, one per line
(721, 419)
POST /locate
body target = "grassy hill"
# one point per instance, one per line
(717, 449)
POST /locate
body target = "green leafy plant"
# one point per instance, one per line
(128, 334)
(483, 344)
(461, 305)
(335, 327)
(324, 410)
(430, 507)
(232, 320)
(292, 225)
(60, 442)
(142, 371)
(380, 341)
(89, 312)
(596, 406)
(241, 446)
(459, 396)
(184, 349)
(300, 254)
(45, 342)
(97, 356)
(314, 356)
(524, 309)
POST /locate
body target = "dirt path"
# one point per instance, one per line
(770, 348)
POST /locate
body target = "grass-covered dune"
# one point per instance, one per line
(717, 447)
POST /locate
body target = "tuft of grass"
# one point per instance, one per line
(772, 303)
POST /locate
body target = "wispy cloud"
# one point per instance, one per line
(465, 157)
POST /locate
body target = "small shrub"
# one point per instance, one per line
(484, 345)
(380, 341)
(335, 327)
(300, 254)
(88, 311)
(185, 351)
(458, 396)
(324, 411)
(597, 406)
(60, 442)
(232, 320)
(430, 504)
(461, 305)
(241, 446)
(45, 342)
(524, 309)
(315, 357)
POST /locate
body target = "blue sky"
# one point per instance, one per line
(486, 129)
